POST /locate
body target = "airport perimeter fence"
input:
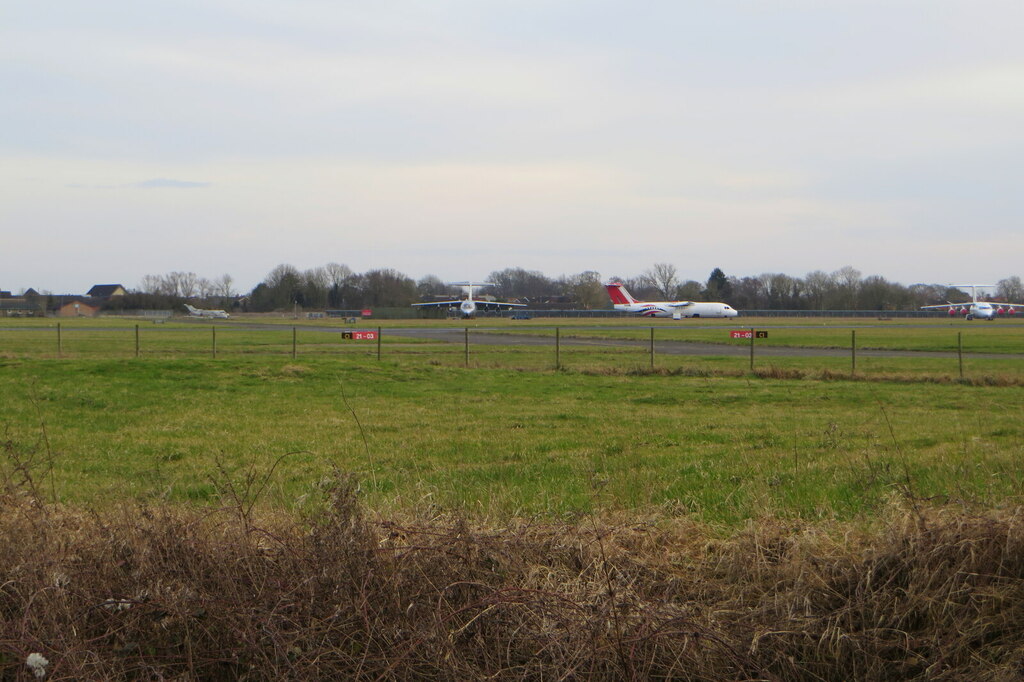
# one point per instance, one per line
(683, 349)
(603, 313)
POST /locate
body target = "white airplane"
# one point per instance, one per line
(199, 312)
(468, 306)
(677, 310)
(983, 310)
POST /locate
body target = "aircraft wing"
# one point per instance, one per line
(483, 305)
(680, 304)
(969, 304)
(496, 305)
(440, 303)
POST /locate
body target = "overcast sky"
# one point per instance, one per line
(459, 137)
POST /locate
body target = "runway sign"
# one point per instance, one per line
(359, 336)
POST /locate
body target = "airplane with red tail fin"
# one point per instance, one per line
(677, 310)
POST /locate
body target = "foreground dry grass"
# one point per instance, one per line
(182, 593)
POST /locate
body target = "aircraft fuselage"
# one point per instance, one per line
(695, 309)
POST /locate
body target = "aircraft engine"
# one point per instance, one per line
(952, 311)
(1012, 311)
(1000, 311)
(963, 311)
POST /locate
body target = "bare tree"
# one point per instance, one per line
(662, 276)
(315, 287)
(182, 284)
(818, 285)
(747, 293)
(847, 279)
(150, 284)
(1011, 290)
(337, 274)
(223, 286)
(431, 285)
(387, 287)
(877, 293)
(340, 283)
(519, 283)
(586, 289)
(780, 290)
(690, 290)
(283, 275)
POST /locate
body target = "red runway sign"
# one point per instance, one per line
(359, 336)
(747, 333)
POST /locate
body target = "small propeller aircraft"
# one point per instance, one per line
(468, 306)
(983, 310)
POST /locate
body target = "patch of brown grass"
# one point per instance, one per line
(161, 592)
(291, 370)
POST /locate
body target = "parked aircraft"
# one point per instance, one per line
(199, 312)
(674, 309)
(468, 306)
(982, 310)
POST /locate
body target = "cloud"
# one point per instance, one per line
(155, 183)
(167, 183)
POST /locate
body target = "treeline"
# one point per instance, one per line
(336, 286)
(174, 288)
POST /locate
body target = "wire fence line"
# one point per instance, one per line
(555, 346)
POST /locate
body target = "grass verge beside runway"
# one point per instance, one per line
(497, 443)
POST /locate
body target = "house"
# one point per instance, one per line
(78, 306)
(18, 307)
(106, 291)
(26, 305)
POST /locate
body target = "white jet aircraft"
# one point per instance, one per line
(199, 312)
(983, 310)
(677, 310)
(468, 306)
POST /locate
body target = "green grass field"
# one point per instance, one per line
(610, 519)
(990, 350)
(507, 436)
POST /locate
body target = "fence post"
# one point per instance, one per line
(853, 352)
(960, 352)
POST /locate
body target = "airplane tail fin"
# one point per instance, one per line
(191, 309)
(974, 289)
(618, 294)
